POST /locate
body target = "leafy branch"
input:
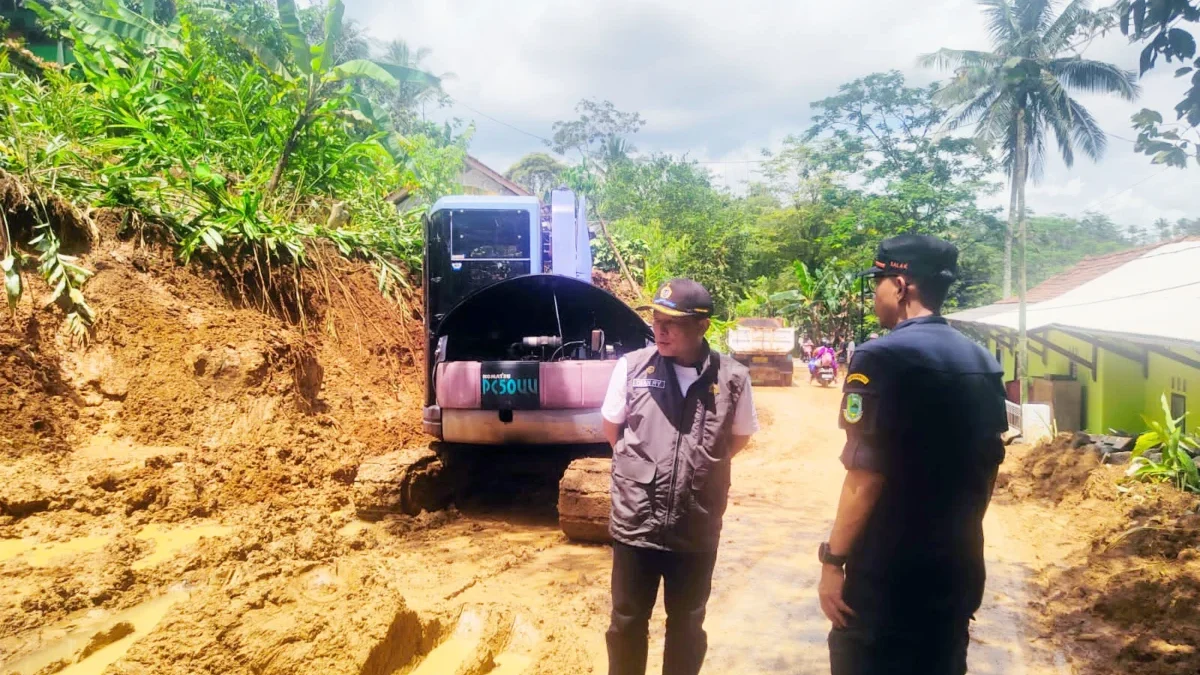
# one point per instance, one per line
(66, 280)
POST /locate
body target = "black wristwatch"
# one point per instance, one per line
(826, 556)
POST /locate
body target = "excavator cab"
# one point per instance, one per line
(521, 344)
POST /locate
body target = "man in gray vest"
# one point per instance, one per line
(676, 413)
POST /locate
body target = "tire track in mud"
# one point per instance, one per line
(493, 593)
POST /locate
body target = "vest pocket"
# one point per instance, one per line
(632, 491)
(710, 489)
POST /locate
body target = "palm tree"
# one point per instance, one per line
(404, 100)
(1021, 91)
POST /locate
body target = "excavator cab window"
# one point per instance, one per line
(468, 250)
(489, 235)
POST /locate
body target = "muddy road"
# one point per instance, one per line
(310, 588)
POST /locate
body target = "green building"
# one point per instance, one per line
(23, 26)
(1107, 338)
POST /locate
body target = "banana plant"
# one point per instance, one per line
(804, 300)
(103, 27)
(1176, 465)
(313, 75)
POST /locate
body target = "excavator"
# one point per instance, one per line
(520, 349)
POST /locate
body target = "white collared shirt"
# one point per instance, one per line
(745, 417)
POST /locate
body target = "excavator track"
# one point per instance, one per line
(584, 500)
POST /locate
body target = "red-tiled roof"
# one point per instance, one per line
(1085, 270)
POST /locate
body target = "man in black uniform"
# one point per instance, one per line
(923, 410)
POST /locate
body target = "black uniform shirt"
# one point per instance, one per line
(924, 406)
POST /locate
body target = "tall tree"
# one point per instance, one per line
(887, 134)
(405, 103)
(1021, 92)
(600, 135)
(1165, 229)
(537, 172)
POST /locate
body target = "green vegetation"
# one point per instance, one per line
(875, 162)
(227, 133)
(243, 133)
(1158, 24)
(1019, 93)
(1175, 465)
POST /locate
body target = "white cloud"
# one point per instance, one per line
(720, 82)
(1072, 188)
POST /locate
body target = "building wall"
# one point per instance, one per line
(1120, 394)
(1124, 389)
(476, 182)
(1171, 377)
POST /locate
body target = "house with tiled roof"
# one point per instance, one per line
(1107, 338)
(476, 178)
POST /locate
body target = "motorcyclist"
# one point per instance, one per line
(823, 357)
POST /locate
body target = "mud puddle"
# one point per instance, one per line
(166, 542)
(452, 654)
(89, 644)
(47, 554)
(170, 540)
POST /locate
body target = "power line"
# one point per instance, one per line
(501, 123)
(725, 163)
(1094, 203)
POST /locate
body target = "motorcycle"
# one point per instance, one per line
(822, 371)
(826, 376)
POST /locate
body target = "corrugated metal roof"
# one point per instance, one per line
(1155, 294)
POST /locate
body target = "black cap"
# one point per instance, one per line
(682, 297)
(917, 255)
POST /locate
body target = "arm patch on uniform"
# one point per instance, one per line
(852, 412)
(858, 377)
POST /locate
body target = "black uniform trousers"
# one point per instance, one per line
(918, 648)
(687, 583)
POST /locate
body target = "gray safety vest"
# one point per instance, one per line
(671, 465)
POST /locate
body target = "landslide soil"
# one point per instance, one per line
(1116, 563)
(176, 497)
(201, 444)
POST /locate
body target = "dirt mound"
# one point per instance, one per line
(1057, 471)
(37, 406)
(615, 283)
(202, 428)
(1127, 599)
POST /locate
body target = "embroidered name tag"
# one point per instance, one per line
(656, 384)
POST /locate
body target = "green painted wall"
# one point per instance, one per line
(1124, 394)
(1169, 376)
(1121, 394)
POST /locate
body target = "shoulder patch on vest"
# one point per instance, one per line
(853, 412)
(858, 377)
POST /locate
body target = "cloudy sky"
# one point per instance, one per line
(720, 84)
